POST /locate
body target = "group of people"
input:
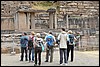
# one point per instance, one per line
(35, 44)
(32, 44)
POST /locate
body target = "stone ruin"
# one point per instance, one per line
(86, 13)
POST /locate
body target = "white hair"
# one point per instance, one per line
(70, 31)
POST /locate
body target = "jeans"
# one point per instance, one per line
(63, 51)
(33, 54)
(31, 51)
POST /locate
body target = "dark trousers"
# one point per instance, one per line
(63, 51)
(22, 53)
(70, 47)
(38, 51)
(49, 51)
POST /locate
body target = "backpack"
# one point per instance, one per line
(30, 43)
(57, 41)
(71, 39)
(49, 40)
(39, 45)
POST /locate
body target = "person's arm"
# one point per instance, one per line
(75, 38)
(20, 40)
(45, 37)
(54, 39)
(67, 37)
(34, 42)
(27, 39)
(42, 41)
(59, 37)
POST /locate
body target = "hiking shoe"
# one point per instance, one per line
(66, 64)
(32, 61)
(71, 61)
(26, 60)
(21, 60)
(29, 61)
(61, 64)
(50, 61)
(46, 61)
(35, 64)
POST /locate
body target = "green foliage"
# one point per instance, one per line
(46, 3)
(43, 5)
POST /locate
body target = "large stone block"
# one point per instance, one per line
(82, 49)
(73, 3)
(85, 4)
(81, 6)
(89, 7)
(9, 50)
(69, 12)
(17, 50)
(4, 50)
(96, 48)
(89, 48)
(73, 9)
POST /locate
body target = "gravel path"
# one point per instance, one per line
(86, 58)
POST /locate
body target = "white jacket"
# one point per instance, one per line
(63, 39)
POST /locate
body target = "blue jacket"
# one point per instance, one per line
(24, 41)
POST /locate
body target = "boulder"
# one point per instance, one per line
(4, 50)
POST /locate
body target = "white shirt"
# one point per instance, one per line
(39, 40)
(63, 39)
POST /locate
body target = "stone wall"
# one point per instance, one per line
(8, 8)
(77, 8)
(22, 24)
(7, 50)
(85, 8)
(7, 23)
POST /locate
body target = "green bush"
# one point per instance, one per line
(46, 3)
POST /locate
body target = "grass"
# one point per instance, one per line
(44, 5)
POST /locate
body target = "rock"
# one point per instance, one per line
(17, 50)
(4, 50)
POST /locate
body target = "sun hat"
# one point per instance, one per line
(33, 33)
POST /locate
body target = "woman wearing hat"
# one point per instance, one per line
(31, 46)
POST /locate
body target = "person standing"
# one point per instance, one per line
(78, 37)
(38, 49)
(24, 45)
(50, 40)
(63, 46)
(31, 46)
(70, 44)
